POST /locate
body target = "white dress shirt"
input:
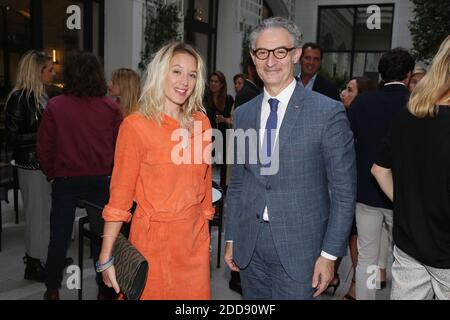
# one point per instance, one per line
(310, 84)
(395, 82)
(283, 97)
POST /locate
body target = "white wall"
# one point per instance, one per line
(401, 37)
(229, 42)
(307, 11)
(123, 34)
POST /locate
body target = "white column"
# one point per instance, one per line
(123, 34)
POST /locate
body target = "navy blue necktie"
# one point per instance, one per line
(269, 136)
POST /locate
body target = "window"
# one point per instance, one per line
(248, 13)
(350, 47)
(15, 39)
(200, 28)
(41, 24)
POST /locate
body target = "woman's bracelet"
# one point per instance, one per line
(109, 236)
(102, 267)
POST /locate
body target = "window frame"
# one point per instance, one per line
(353, 51)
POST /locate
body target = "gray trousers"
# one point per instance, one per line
(412, 280)
(36, 197)
(371, 222)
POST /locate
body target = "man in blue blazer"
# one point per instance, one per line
(289, 213)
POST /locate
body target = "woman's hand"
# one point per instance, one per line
(220, 118)
(109, 278)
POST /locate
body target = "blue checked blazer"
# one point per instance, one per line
(310, 199)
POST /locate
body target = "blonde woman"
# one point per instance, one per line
(170, 224)
(413, 171)
(125, 85)
(24, 108)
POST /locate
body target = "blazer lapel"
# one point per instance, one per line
(290, 117)
(257, 126)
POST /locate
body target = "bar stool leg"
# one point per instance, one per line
(80, 257)
(16, 193)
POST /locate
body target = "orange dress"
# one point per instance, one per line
(170, 224)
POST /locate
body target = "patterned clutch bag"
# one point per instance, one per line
(131, 268)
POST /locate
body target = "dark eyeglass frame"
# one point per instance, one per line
(258, 51)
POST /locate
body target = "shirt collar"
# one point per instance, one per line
(395, 82)
(285, 95)
(313, 78)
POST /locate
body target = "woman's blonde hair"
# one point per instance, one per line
(129, 83)
(433, 86)
(153, 98)
(29, 73)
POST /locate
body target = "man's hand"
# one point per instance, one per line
(228, 257)
(323, 275)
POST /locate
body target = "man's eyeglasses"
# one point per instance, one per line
(279, 53)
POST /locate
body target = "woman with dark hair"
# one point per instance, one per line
(75, 148)
(354, 87)
(238, 80)
(220, 103)
(24, 108)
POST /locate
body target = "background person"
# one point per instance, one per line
(220, 104)
(416, 76)
(238, 81)
(125, 86)
(24, 108)
(370, 116)
(75, 147)
(354, 87)
(310, 63)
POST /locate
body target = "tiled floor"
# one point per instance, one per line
(14, 287)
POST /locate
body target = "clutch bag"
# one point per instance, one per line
(131, 268)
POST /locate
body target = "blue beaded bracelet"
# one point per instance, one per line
(102, 267)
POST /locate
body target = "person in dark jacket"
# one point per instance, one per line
(75, 147)
(252, 85)
(370, 116)
(24, 108)
(310, 63)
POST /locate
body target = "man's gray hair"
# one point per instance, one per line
(277, 22)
